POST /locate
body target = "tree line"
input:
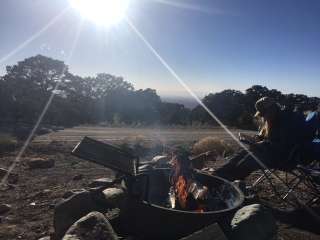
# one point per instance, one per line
(27, 86)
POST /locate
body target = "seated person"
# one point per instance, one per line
(280, 132)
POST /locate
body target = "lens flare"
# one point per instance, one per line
(102, 12)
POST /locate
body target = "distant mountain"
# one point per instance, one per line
(188, 102)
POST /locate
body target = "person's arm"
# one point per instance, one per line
(245, 138)
(250, 139)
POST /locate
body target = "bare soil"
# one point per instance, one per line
(34, 196)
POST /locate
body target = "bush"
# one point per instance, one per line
(216, 146)
(7, 143)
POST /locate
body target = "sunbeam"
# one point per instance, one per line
(34, 36)
(44, 111)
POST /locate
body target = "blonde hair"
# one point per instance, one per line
(265, 128)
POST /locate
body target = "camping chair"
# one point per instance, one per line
(299, 187)
(303, 176)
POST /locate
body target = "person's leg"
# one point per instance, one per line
(242, 164)
(238, 167)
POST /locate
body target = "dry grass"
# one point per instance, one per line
(214, 145)
(7, 143)
(142, 146)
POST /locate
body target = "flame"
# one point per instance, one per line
(182, 191)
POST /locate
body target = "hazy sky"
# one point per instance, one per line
(211, 44)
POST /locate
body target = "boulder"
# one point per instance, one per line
(40, 163)
(92, 226)
(12, 177)
(210, 232)
(4, 208)
(115, 197)
(253, 222)
(70, 210)
(101, 182)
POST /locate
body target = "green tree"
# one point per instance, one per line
(174, 113)
(226, 105)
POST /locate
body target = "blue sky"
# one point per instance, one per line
(211, 44)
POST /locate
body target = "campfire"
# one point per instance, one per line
(187, 193)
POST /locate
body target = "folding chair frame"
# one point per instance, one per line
(300, 177)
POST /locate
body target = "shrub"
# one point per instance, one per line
(216, 146)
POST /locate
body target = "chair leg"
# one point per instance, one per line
(264, 175)
(291, 189)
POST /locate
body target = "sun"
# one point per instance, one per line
(102, 12)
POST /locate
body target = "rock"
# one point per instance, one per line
(115, 197)
(41, 163)
(101, 182)
(70, 210)
(4, 208)
(210, 232)
(12, 177)
(253, 222)
(92, 226)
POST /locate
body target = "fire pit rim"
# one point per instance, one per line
(240, 201)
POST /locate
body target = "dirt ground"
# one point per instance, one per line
(34, 196)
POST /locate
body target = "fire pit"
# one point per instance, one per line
(149, 215)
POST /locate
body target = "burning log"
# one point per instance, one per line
(186, 193)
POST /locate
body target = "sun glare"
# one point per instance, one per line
(102, 12)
